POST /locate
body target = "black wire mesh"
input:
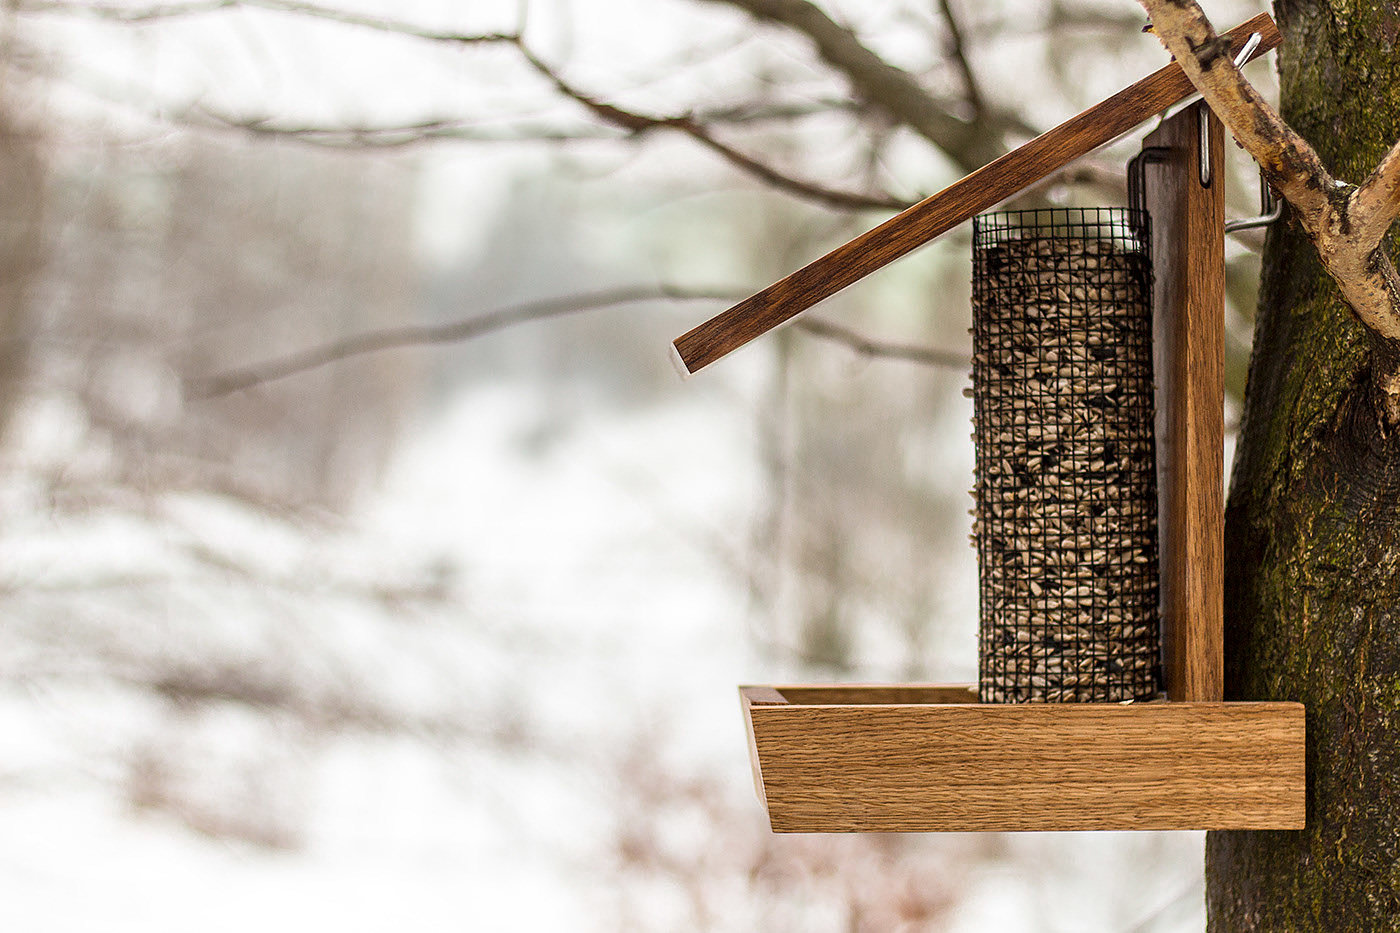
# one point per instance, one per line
(1066, 488)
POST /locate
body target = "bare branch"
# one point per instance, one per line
(1375, 205)
(402, 135)
(866, 346)
(382, 136)
(881, 84)
(387, 137)
(764, 112)
(200, 7)
(121, 14)
(424, 335)
(958, 48)
(638, 123)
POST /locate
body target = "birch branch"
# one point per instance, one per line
(1344, 223)
(1375, 205)
(1289, 162)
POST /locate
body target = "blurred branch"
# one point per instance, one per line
(866, 346)
(893, 90)
(631, 122)
(401, 135)
(425, 335)
(958, 48)
(1077, 16)
(764, 112)
(381, 136)
(1059, 21)
(636, 124)
(1106, 180)
(122, 14)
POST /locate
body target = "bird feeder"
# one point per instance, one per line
(1098, 730)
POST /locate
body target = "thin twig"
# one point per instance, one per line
(121, 14)
(422, 335)
(200, 7)
(958, 47)
(776, 111)
(419, 132)
(638, 123)
(382, 136)
(425, 335)
(886, 87)
(631, 122)
(867, 346)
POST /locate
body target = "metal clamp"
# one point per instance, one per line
(1270, 209)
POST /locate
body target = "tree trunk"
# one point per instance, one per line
(1312, 526)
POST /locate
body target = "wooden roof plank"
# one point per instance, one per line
(989, 185)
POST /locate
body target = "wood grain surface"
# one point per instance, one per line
(818, 694)
(917, 767)
(984, 188)
(1188, 258)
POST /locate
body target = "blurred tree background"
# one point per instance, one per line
(364, 560)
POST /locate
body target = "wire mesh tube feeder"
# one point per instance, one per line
(1078, 722)
(1066, 481)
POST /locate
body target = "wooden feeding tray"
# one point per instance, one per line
(831, 759)
(903, 758)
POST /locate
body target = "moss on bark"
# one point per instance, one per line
(1312, 528)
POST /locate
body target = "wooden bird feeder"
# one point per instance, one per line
(909, 758)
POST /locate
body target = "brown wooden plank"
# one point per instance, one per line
(992, 183)
(1061, 766)
(1188, 249)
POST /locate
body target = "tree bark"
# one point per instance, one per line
(1312, 525)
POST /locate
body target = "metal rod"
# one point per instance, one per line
(1203, 140)
(1270, 206)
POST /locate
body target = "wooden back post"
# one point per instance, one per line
(1188, 260)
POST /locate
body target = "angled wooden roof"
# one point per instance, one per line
(989, 185)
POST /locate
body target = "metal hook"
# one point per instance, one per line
(1137, 174)
(1270, 207)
